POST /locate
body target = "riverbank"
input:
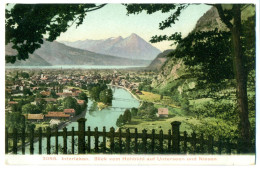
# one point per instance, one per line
(129, 92)
(73, 119)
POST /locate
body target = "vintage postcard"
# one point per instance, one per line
(130, 83)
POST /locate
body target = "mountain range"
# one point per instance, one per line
(55, 53)
(131, 47)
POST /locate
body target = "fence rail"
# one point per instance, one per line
(119, 142)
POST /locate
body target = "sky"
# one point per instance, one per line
(112, 21)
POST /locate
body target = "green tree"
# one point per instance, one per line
(83, 96)
(83, 86)
(94, 93)
(161, 97)
(127, 116)
(51, 108)
(103, 96)
(53, 94)
(15, 108)
(109, 96)
(25, 75)
(134, 111)
(71, 103)
(120, 121)
(18, 107)
(30, 109)
(152, 113)
(27, 91)
(41, 104)
(16, 117)
(106, 96)
(185, 105)
(147, 111)
(39, 95)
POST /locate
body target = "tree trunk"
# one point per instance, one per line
(241, 79)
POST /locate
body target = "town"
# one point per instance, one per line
(56, 97)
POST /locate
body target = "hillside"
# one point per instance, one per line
(59, 54)
(131, 47)
(173, 69)
(161, 58)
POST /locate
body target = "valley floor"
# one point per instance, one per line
(162, 124)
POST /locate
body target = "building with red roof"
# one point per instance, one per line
(80, 102)
(162, 112)
(70, 112)
(35, 117)
(12, 102)
(56, 115)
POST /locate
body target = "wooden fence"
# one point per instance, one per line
(119, 142)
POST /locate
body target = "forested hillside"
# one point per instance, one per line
(205, 88)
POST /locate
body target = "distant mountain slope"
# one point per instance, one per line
(33, 60)
(133, 47)
(161, 58)
(59, 54)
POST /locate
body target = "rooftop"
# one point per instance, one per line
(56, 114)
(163, 111)
(35, 116)
(69, 111)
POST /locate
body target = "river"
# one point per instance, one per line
(96, 118)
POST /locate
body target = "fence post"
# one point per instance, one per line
(136, 139)
(81, 135)
(96, 139)
(161, 141)
(112, 142)
(40, 140)
(48, 135)
(6, 140)
(169, 141)
(72, 140)
(176, 136)
(23, 136)
(228, 147)
(193, 142)
(144, 140)
(239, 145)
(210, 144)
(64, 140)
(152, 145)
(56, 141)
(128, 139)
(120, 140)
(104, 139)
(89, 141)
(185, 142)
(15, 141)
(202, 144)
(219, 145)
(31, 140)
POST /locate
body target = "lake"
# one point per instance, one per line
(95, 118)
(73, 67)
